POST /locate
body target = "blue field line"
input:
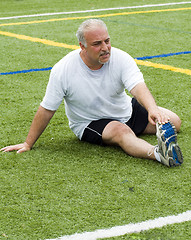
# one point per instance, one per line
(27, 71)
(138, 58)
(163, 55)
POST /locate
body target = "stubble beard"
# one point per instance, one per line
(102, 54)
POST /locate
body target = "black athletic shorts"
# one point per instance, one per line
(138, 122)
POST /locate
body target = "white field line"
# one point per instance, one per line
(129, 228)
(95, 10)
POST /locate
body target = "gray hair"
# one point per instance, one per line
(87, 25)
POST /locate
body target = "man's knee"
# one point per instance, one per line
(114, 132)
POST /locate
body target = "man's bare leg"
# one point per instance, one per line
(116, 133)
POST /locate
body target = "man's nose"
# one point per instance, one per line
(104, 46)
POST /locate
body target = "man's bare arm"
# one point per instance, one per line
(39, 123)
(145, 98)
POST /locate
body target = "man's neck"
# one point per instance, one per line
(92, 66)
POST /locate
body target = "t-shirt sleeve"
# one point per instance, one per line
(54, 91)
(131, 74)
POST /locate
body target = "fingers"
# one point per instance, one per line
(163, 119)
(153, 122)
(23, 147)
(158, 116)
(22, 150)
(9, 148)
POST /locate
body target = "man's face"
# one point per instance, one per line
(98, 46)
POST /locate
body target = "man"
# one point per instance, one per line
(92, 82)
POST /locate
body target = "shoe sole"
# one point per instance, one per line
(175, 154)
(168, 134)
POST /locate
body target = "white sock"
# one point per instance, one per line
(157, 156)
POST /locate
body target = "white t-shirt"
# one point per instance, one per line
(92, 94)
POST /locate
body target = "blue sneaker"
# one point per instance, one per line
(168, 149)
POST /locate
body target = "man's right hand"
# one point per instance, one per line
(23, 147)
(39, 123)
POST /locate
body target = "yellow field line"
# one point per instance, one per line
(39, 40)
(95, 16)
(73, 47)
(162, 66)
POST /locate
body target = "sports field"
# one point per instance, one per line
(67, 189)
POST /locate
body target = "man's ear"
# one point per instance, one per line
(81, 46)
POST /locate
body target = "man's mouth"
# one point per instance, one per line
(104, 54)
